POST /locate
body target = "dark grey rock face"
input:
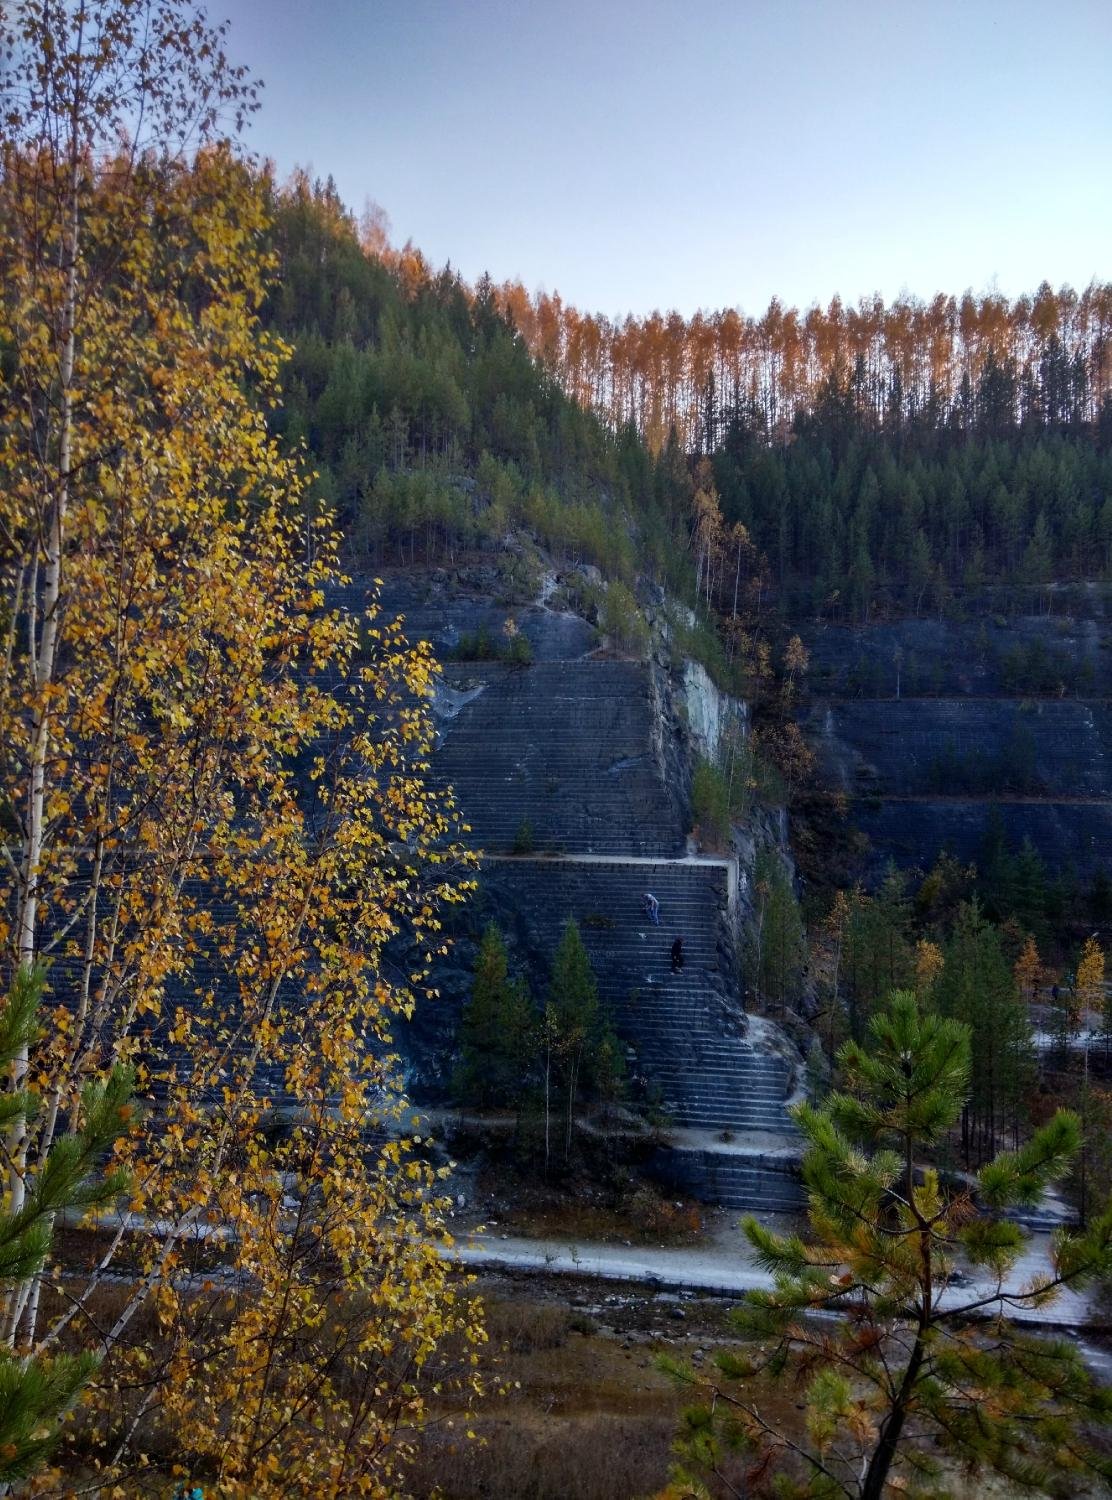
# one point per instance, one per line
(987, 656)
(927, 724)
(965, 746)
(912, 834)
(585, 761)
(564, 748)
(433, 613)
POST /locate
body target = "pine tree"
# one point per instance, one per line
(908, 1376)
(37, 1390)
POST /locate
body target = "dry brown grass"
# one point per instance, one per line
(597, 1457)
(523, 1327)
(586, 1414)
(644, 1216)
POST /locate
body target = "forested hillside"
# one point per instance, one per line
(879, 456)
(853, 517)
(431, 423)
(893, 458)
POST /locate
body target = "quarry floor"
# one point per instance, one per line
(722, 1263)
(585, 1412)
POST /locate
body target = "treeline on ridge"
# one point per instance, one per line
(895, 457)
(430, 423)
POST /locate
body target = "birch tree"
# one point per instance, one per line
(212, 789)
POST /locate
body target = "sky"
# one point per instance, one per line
(642, 154)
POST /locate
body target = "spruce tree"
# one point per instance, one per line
(906, 1379)
(495, 1031)
(573, 998)
(978, 987)
(1029, 889)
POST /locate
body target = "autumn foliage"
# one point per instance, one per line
(215, 816)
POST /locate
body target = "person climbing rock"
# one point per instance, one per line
(677, 955)
(652, 907)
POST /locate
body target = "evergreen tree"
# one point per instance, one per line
(37, 1390)
(1028, 888)
(778, 945)
(573, 1001)
(878, 951)
(495, 1033)
(978, 988)
(909, 1374)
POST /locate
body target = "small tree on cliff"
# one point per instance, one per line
(495, 1035)
(780, 943)
(910, 1374)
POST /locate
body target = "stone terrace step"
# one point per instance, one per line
(686, 1037)
(565, 747)
(733, 1180)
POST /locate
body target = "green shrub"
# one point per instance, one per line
(523, 838)
(710, 803)
(519, 650)
(622, 621)
(477, 645)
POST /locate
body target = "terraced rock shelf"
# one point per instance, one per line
(560, 752)
(686, 1031)
(928, 726)
(561, 761)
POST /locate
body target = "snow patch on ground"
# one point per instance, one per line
(727, 1266)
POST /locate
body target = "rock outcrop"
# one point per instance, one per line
(568, 773)
(928, 725)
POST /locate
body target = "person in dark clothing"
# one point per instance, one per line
(677, 955)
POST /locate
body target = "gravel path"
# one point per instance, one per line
(725, 1266)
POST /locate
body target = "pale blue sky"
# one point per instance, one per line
(634, 154)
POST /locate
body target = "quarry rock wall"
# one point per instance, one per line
(572, 774)
(935, 728)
